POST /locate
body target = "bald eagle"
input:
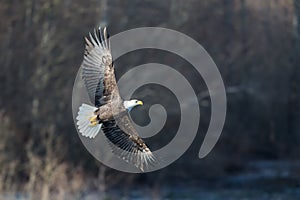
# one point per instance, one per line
(109, 112)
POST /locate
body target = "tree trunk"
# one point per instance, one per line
(294, 97)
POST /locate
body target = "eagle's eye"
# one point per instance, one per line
(136, 101)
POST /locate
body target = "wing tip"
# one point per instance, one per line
(141, 159)
(99, 38)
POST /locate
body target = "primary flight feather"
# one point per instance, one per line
(109, 112)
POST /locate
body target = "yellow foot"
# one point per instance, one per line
(94, 120)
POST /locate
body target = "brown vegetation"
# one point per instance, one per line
(255, 44)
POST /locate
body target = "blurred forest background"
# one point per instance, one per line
(255, 44)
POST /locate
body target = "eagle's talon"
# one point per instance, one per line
(94, 123)
(94, 120)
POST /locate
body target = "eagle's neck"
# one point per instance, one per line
(129, 105)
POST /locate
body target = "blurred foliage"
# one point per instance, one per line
(254, 43)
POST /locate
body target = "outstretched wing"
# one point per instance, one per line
(97, 67)
(127, 144)
(123, 137)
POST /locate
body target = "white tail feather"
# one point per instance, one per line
(83, 121)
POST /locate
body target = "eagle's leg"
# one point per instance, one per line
(94, 120)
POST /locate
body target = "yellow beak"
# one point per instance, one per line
(140, 103)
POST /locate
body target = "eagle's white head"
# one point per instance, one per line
(132, 103)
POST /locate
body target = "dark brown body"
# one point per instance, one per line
(108, 111)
